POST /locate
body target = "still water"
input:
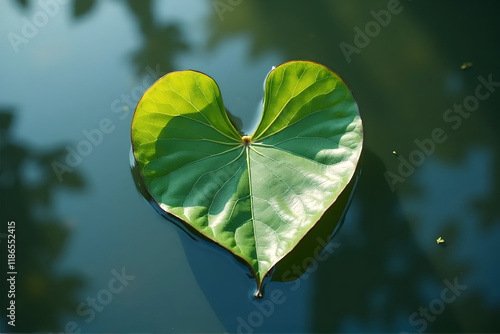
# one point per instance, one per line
(92, 255)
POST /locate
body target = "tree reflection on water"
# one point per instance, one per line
(28, 186)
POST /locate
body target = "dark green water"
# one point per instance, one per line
(92, 255)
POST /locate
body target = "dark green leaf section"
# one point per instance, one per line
(256, 196)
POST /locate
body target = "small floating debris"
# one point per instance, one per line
(440, 240)
(465, 65)
(395, 153)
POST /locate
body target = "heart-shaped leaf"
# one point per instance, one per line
(257, 196)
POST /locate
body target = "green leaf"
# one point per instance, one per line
(257, 196)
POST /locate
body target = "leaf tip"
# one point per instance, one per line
(258, 293)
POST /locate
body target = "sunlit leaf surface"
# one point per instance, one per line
(257, 195)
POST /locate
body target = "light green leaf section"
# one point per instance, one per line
(256, 196)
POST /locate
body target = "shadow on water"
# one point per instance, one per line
(27, 184)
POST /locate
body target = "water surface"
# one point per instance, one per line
(85, 67)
